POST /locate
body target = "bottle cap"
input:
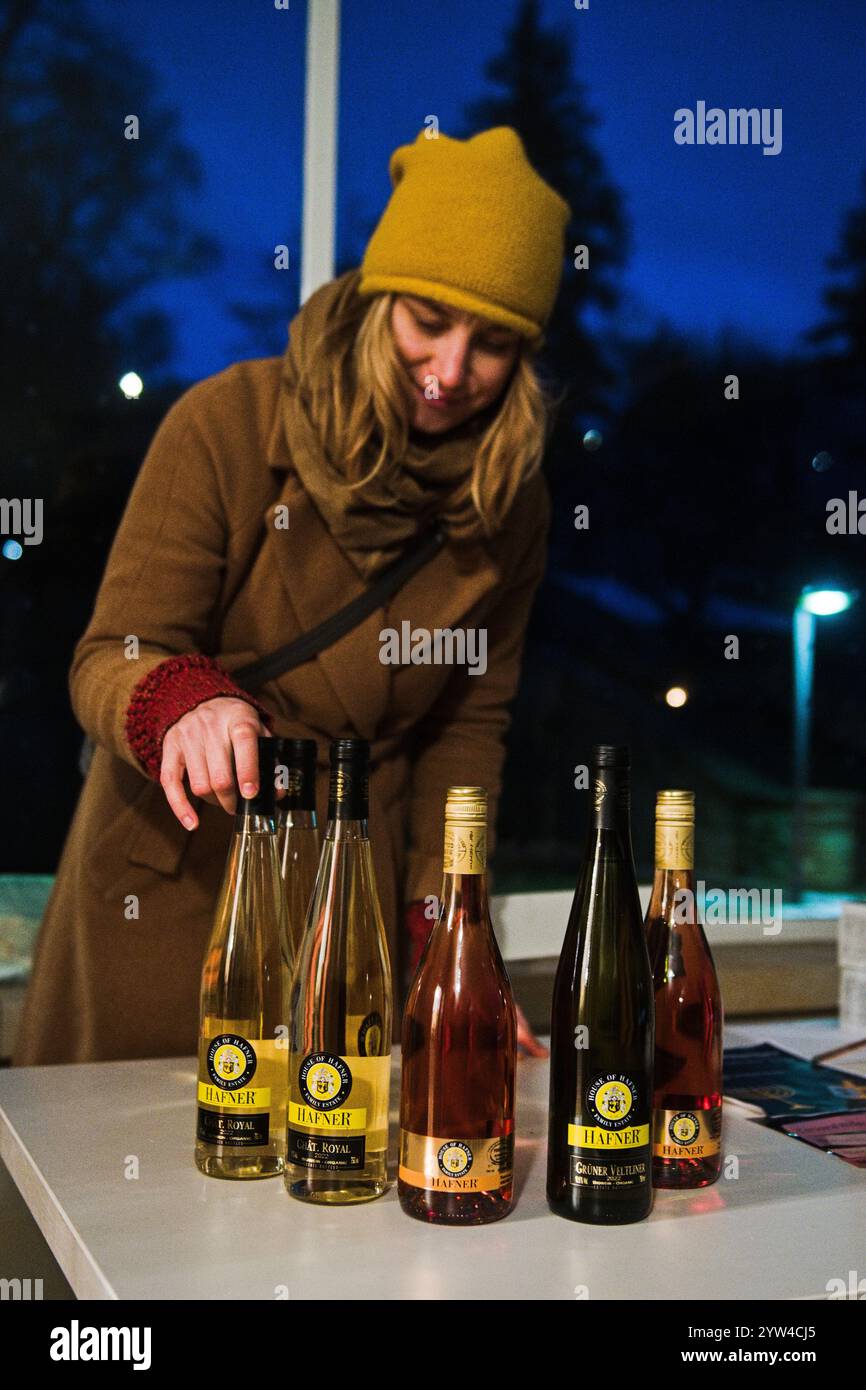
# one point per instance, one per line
(465, 849)
(355, 750)
(467, 805)
(298, 756)
(297, 752)
(348, 792)
(616, 755)
(675, 807)
(264, 802)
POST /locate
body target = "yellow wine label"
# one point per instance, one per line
(675, 846)
(593, 1137)
(465, 849)
(247, 1098)
(610, 1141)
(687, 1133)
(235, 1098)
(440, 1164)
(337, 1105)
(344, 1118)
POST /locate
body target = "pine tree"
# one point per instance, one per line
(846, 303)
(546, 104)
(91, 218)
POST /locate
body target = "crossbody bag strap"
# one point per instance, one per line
(325, 634)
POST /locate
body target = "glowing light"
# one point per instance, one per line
(676, 697)
(131, 385)
(826, 602)
(592, 441)
(12, 550)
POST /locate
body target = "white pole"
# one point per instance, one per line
(318, 220)
(804, 665)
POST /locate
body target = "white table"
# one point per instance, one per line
(792, 1220)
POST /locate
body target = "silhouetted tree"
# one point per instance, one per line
(547, 105)
(91, 218)
(846, 303)
(264, 320)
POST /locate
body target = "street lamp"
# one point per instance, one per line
(131, 385)
(825, 603)
(814, 602)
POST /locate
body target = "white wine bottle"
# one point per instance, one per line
(340, 1010)
(243, 1057)
(297, 829)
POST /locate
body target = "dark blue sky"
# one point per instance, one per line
(721, 236)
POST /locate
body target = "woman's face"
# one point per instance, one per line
(457, 363)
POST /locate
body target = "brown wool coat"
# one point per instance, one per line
(198, 566)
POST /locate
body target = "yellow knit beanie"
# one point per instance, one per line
(470, 223)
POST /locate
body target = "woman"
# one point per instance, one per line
(272, 494)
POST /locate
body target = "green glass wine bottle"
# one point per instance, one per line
(601, 1062)
(243, 1057)
(340, 1009)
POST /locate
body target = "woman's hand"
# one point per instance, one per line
(201, 744)
(527, 1043)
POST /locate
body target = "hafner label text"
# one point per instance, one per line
(592, 1137)
(343, 1119)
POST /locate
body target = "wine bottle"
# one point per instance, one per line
(598, 1159)
(459, 1045)
(297, 830)
(243, 1058)
(340, 1011)
(687, 1101)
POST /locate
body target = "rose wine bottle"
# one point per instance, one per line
(340, 1010)
(687, 1103)
(297, 830)
(242, 1061)
(459, 1045)
(601, 1047)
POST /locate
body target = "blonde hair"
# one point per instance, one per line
(366, 410)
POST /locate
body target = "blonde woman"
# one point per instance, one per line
(272, 494)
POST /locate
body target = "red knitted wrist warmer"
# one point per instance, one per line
(170, 691)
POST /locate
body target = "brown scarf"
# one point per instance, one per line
(374, 523)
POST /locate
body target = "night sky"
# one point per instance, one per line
(720, 235)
